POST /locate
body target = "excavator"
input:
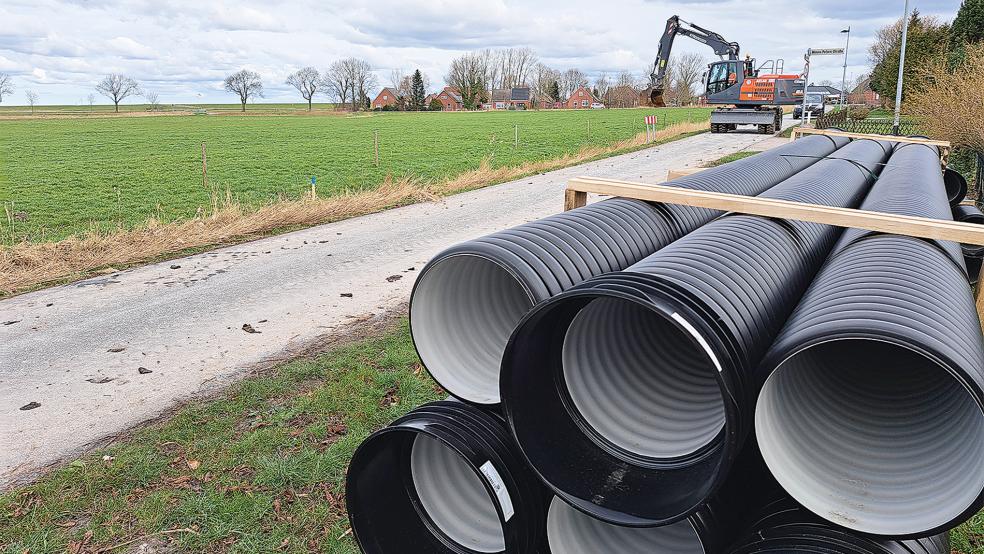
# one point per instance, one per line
(753, 95)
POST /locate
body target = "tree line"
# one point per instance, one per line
(350, 82)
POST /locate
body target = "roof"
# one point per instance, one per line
(823, 88)
(516, 94)
(454, 94)
(389, 90)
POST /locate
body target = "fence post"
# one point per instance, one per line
(375, 143)
(516, 139)
(204, 167)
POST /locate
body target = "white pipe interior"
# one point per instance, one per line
(454, 496)
(872, 436)
(572, 532)
(464, 309)
(641, 382)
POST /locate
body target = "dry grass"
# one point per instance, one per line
(26, 266)
(950, 106)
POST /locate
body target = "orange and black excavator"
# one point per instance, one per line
(753, 95)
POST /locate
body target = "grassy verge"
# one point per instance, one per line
(731, 158)
(259, 470)
(29, 265)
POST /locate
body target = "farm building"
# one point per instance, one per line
(386, 97)
(516, 98)
(579, 99)
(450, 99)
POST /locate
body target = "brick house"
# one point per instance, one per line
(517, 98)
(386, 97)
(581, 98)
(862, 94)
(450, 99)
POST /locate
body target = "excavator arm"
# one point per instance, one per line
(653, 95)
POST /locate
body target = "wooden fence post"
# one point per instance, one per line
(375, 142)
(204, 167)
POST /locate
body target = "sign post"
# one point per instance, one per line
(810, 52)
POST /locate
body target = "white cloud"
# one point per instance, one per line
(183, 48)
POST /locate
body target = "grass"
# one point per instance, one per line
(29, 265)
(731, 158)
(260, 469)
(63, 177)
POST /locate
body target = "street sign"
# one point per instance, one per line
(826, 51)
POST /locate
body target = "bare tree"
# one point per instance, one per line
(469, 74)
(32, 99)
(541, 80)
(153, 100)
(687, 71)
(515, 66)
(117, 87)
(246, 84)
(601, 85)
(306, 80)
(91, 99)
(363, 80)
(6, 86)
(336, 81)
(570, 80)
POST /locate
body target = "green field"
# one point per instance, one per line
(66, 175)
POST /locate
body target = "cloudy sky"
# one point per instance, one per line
(183, 48)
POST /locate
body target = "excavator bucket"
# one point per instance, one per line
(652, 97)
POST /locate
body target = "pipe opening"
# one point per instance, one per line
(463, 310)
(640, 382)
(872, 436)
(454, 497)
(572, 532)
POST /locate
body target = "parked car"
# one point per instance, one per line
(597, 106)
(814, 104)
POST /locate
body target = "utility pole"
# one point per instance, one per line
(844, 75)
(898, 86)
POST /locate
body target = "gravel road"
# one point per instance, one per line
(103, 355)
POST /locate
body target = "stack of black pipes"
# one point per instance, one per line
(632, 377)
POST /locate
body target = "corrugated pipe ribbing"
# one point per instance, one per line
(628, 394)
(444, 479)
(785, 527)
(468, 299)
(871, 411)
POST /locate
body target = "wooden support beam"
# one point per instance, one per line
(574, 199)
(767, 207)
(682, 172)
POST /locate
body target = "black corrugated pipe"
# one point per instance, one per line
(972, 253)
(444, 479)
(628, 393)
(749, 489)
(956, 186)
(871, 414)
(469, 298)
(786, 527)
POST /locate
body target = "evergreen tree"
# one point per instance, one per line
(967, 28)
(926, 45)
(417, 93)
(554, 91)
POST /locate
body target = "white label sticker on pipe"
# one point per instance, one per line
(500, 489)
(700, 339)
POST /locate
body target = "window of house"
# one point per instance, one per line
(580, 93)
(385, 97)
(584, 103)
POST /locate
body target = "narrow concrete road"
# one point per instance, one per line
(103, 355)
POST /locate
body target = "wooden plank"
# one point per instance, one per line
(891, 138)
(682, 172)
(574, 199)
(841, 217)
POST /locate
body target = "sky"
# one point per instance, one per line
(182, 49)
